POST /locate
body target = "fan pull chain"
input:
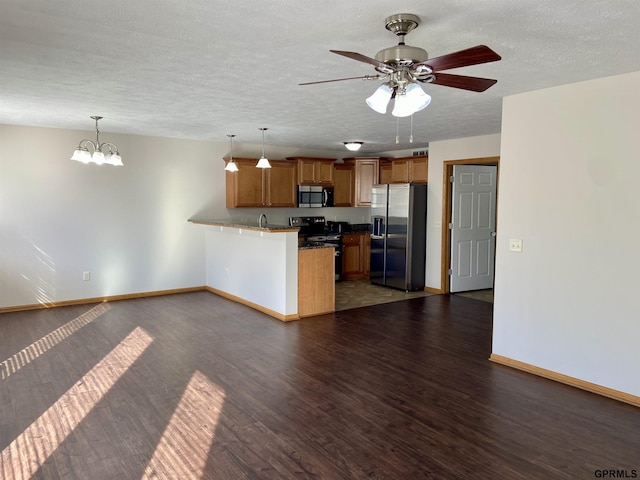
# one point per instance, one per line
(397, 129)
(411, 136)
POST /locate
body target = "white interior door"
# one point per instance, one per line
(473, 227)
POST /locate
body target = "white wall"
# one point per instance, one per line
(569, 170)
(127, 226)
(439, 152)
(259, 267)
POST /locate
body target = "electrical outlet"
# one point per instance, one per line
(515, 245)
(86, 276)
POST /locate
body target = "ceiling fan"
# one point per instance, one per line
(403, 67)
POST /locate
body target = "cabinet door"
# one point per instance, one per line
(385, 173)
(307, 171)
(366, 178)
(343, 185)
(245, 188)
(351, 257)
(324, 172)
(418, 168)
(400, 171)
(281, 184)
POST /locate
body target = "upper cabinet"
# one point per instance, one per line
(343, 185)
(261, 187)
(404, 170)
(314, 171)
(366, 171)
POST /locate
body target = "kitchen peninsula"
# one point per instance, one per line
(266, 269)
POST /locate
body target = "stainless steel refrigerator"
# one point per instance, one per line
(398, 235)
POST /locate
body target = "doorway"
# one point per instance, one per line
(447, 215)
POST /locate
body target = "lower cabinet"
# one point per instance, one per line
(316, 281)
(356, 252)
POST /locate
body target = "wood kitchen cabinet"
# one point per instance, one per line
(404, 170)
(385, 171)
(343, 185)
(314, 171)
(261, 187)
(356, 252)
(316, 281)
(366, 171)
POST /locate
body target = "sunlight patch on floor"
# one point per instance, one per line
(28, 452)
(184, 447)
(31, 352)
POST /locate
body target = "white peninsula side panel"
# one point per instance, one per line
(257, 267)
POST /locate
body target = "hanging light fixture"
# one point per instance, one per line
(353, 146)
(410, 100)
(263, 162)
(231, 165)
(102, 152)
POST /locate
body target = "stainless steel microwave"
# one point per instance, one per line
(315, 196)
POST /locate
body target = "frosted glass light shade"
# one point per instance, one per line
(418, 97)
(231, 166)
(78, 155)
(353, 146)
(412, 101)
(116, 160)
(263, 163)
(380, 99)
(98, 157)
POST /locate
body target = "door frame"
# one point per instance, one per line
(447, 190)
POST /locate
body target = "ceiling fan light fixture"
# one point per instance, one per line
(411, 101)
(353, 146)
(380, 98)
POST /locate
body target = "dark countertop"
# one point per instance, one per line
(269, 227)
(311, 245)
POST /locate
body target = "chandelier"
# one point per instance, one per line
(102, 153)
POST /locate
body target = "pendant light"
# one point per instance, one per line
(231, 165)
(263, 162)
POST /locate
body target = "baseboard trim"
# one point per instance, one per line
(435, 291)
(112, 298)
(567, 380)
(255, 306)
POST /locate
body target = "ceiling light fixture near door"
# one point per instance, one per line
(231, 165)
(353, 146)
(102, 152)
(263, 162)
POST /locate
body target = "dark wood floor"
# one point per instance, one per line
(196, 386)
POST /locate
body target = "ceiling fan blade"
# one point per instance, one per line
(363, 58)
(475, 84)
(463, 58)
(364, 77)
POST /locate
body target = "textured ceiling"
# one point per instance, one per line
(203, 68)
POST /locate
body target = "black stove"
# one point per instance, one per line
(314, 230)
